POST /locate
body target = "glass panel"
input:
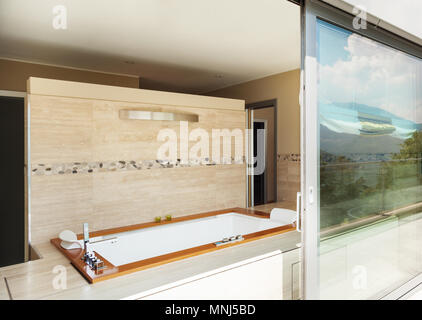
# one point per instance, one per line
(370, 120)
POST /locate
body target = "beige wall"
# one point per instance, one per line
(70, 133)
(14, 74)
(285, 88)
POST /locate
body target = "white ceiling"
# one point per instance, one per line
(179, 45)
(404, 14)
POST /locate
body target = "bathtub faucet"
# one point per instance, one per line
(89, 257)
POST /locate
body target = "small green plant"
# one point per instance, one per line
(168, 217)
(157, 219)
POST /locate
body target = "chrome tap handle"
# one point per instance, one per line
(98, 265)
(86, 232)
(86, 238)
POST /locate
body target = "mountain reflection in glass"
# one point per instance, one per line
(370, 178)
(370, 101)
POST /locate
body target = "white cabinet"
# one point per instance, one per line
(258, 278)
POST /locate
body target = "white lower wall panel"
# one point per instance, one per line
(257, 278)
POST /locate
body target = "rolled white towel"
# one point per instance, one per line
(284, 216)
(69, 240)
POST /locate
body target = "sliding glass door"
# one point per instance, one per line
(362, 151)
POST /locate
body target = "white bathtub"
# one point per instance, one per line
(132, 246)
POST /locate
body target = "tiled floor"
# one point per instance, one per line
(282, 204)
(414, 294)
(368, 262)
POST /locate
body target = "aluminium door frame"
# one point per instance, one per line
(310, 12)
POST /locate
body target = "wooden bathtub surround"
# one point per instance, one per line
(33, 280)
(73, 122)
(75, 256)
(111, 271)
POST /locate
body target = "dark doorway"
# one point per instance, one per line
(12, 184)
(262, 184)
(258, 179)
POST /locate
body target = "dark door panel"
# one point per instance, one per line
(12, 189)
(259, 179)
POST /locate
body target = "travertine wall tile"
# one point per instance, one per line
(90, 166)
(288, 177)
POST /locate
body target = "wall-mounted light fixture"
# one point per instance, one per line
(156, 115)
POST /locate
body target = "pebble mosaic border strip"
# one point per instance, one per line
(122, 165)
(295, 157)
